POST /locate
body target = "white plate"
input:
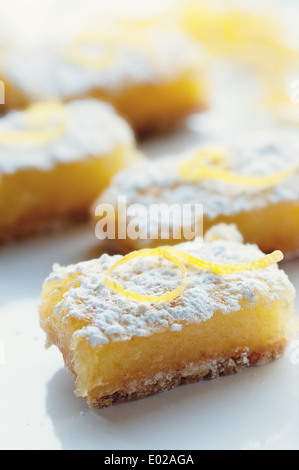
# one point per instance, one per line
(255, 409)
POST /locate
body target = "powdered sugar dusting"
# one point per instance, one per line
(51, 74)
(92, 129)
(116, 318)
(261, 154)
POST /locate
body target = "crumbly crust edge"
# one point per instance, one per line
(34, 228)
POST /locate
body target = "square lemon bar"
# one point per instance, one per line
(154, 77)
(132, 326)
(53, 160)
(252, 182)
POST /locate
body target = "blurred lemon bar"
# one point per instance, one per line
(153, 76)
(252, 182)
(252, 36)
(132, 326)
(53, 160)
(261, 39)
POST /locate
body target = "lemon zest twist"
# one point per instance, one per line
(76, 54)
(39, 117)
(195, 169)
(176, 256)
(165, 253)
(111, 37)
(261, 263)
(111, 43)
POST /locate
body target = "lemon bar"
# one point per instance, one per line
(245, 36)
(132, 326)
(153, 77)
(242, 34)
(53, 160)
(252, 182)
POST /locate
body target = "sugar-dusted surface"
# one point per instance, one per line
(257, 154)
(118, 318)
(92, 128)
(50, 73)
